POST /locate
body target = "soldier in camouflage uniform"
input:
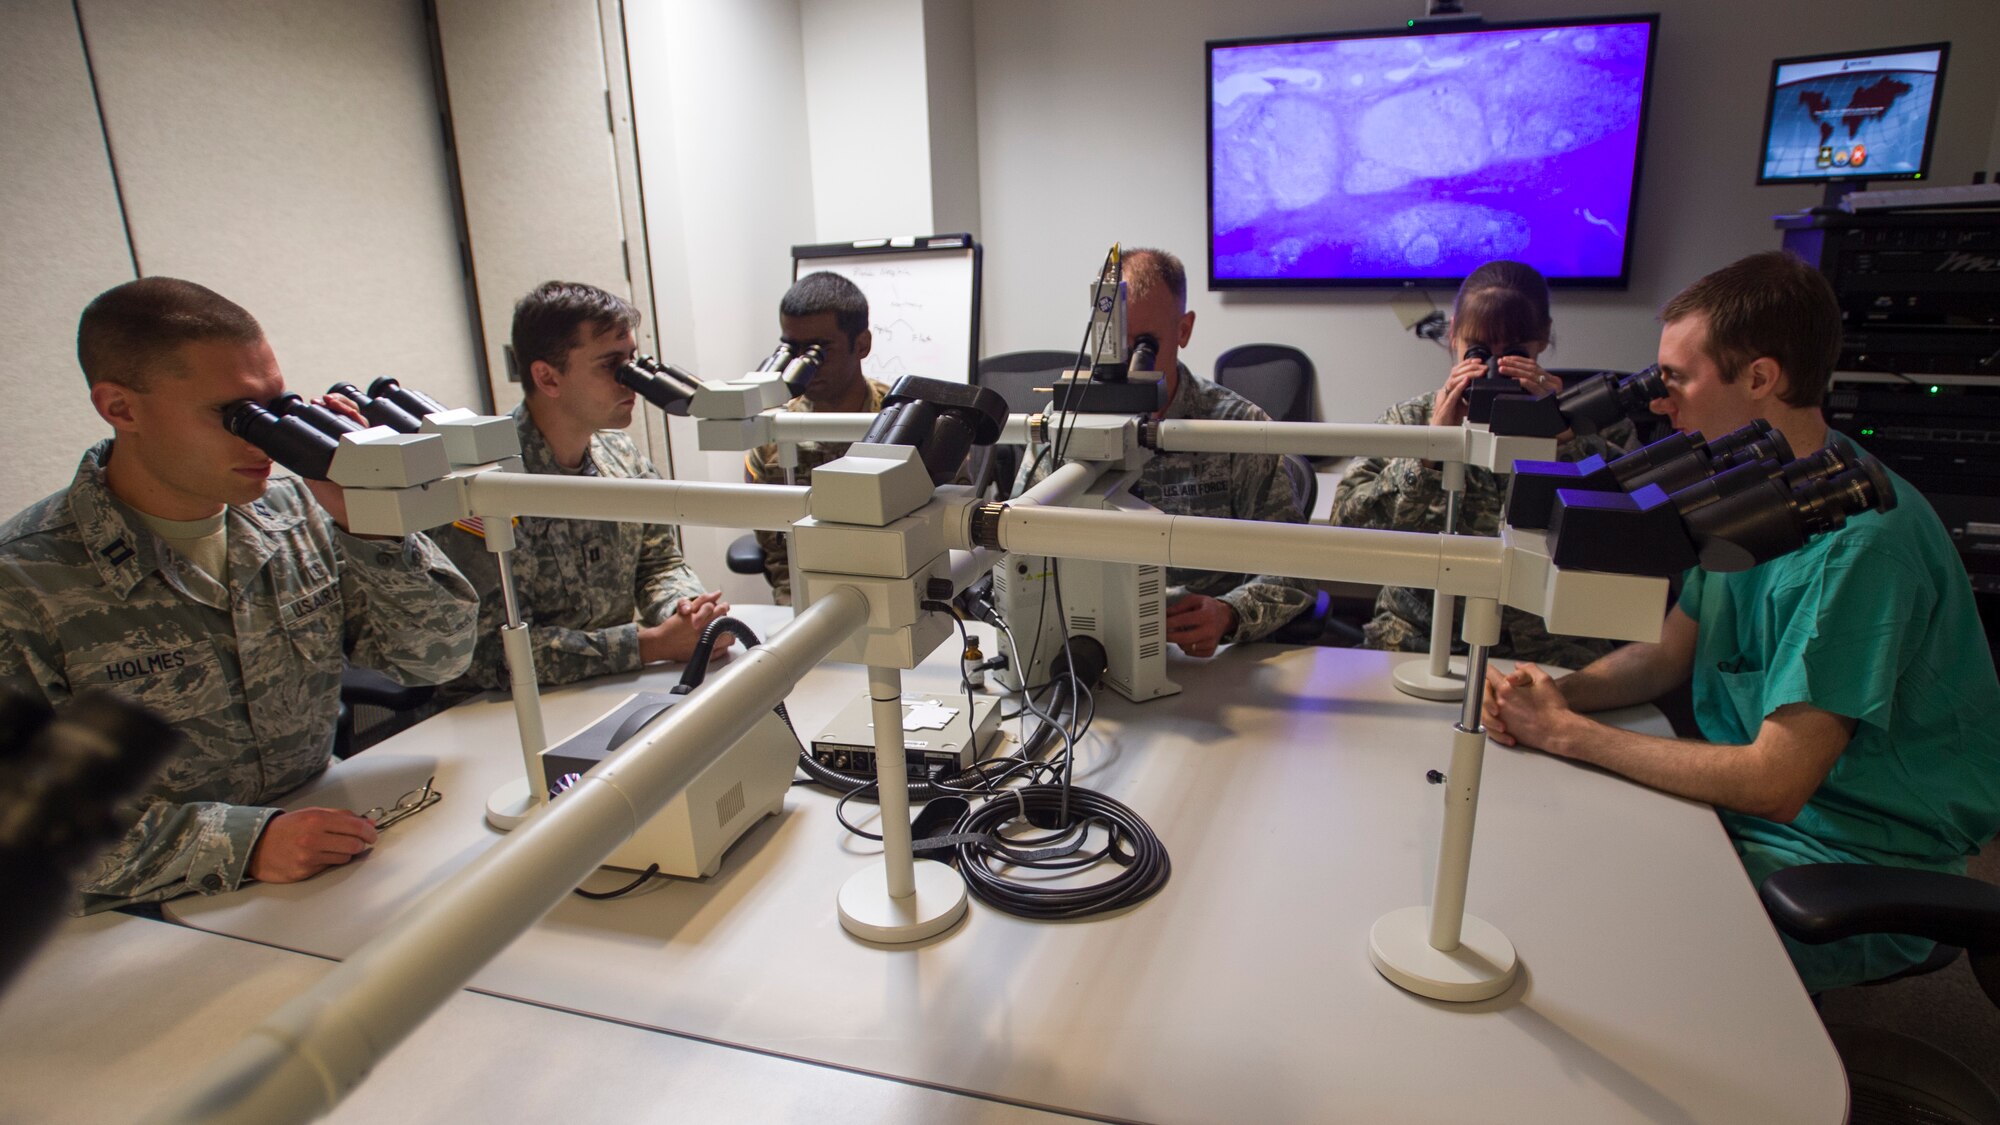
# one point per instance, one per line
(828, 310)
(599, 597)
(1204, 608)
(170, 573)
(1502, 304)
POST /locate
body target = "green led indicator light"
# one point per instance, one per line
(1868, 433)
(1934, 388)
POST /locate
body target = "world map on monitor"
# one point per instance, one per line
(1861, 123)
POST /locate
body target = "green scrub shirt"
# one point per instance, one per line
(1875, 622)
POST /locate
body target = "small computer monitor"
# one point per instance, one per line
(1853, 116)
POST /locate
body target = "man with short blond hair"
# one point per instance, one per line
(174, 572)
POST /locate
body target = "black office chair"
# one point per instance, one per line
(373, 707)
(745, 555)
(1892, 1077)
(1016, 377)
(1277, 377)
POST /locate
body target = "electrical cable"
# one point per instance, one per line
(651, 871)
(1129, 842)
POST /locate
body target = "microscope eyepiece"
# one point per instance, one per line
(413, 402)
(801, 367)
(288, 439)
(662, 384)
(378, 411)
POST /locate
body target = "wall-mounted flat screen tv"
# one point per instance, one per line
(1411, 155)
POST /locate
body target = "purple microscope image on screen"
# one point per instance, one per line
(1395, 158)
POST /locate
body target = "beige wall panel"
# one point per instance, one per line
(61, 243)
(290, 157)
(527, 89)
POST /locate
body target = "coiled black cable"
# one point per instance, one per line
(1142, 859)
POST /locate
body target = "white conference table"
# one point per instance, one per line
(1289, 788)
(115, 1012)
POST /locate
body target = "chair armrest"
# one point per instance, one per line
(1821, 902)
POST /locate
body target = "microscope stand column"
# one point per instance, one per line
(510, 804)
(899, 899)
(1440, 951)
(1436, 678)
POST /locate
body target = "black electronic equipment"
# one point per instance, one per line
(1944, 438)
(1919, 292)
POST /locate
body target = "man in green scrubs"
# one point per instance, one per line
(1845, 692)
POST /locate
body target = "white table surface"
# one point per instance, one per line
(1288, 786)
(115, 1012)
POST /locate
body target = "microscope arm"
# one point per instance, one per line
(309, 1054)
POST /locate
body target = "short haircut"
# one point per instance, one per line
(132, 332)
(825, 292)
(1768, 305)
(549, 322)
(1502, 304)
(1144, 267)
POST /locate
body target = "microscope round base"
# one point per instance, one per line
(867, 911)
(1483, 966)
(1413, 677)
(509, 805)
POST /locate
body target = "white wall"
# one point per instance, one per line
(867, 120)
(62, 243)
(1091, 131)
(291, 158)
(954, 116)
(719, 107)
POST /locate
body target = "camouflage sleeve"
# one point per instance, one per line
(561, 655)
(1263, 491)
(410, 613)
(168, 849)
(1392, 493)
(174, 849)
(664, 576)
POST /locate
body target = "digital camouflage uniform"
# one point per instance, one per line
(1402, 494)
(90, 598)
(586, 586)
(760, 466)
(1243, 486)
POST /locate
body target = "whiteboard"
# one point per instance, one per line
(923, 302)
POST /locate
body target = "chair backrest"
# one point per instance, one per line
(1015, 375)
(1305, 482)
(1277, 377)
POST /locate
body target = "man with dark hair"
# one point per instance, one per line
(827, 310)
(1845, 693)
(1205, 608)
(174, 572)
(598, 597)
